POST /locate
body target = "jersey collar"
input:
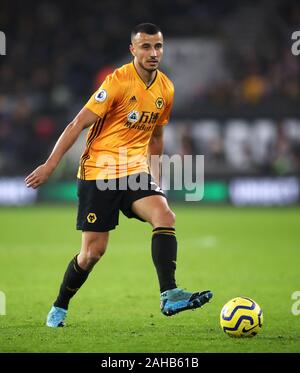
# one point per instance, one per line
(141, 80)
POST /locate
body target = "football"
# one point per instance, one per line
(241, 317)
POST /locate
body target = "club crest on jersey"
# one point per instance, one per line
(159, 102)
(133, 116)
(101, 95)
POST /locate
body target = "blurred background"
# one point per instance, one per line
(237, 90)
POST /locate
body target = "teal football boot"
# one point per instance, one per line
(178, 300)
(56, 317)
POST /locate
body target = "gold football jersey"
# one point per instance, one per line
(128, 112)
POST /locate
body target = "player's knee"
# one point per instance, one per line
(92, 254)
(95, 252)
(171, 218)
(164, 219)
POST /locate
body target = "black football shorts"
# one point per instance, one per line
(101, 200)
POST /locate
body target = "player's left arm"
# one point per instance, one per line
(155, 150)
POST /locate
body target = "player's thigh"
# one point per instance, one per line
(155, 210)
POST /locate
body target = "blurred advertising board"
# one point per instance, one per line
(14, 192)
(238, 191)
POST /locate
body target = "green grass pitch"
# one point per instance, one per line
(232, 251)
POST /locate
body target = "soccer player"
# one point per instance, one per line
(125, 116)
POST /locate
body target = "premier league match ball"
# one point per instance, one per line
(241, 317)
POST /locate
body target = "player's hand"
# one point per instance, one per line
(38, 176)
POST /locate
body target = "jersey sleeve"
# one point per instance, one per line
(105, 97)
(165, 117)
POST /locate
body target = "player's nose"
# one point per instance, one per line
(153, 52)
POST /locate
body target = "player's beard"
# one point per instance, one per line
(149, 70)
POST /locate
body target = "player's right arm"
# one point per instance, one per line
(71, 133)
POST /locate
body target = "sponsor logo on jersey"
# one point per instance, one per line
(133, 116)
(133, 100)
(141, 121)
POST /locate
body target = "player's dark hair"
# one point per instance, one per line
(147, 28)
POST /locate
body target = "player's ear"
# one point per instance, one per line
(131, 48)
